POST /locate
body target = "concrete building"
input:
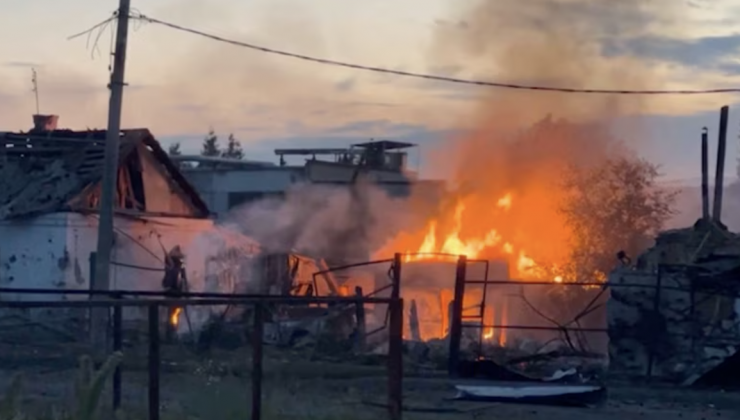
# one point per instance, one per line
(226, 183)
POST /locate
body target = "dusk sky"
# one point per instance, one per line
(181, 84)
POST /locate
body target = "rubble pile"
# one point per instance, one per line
(677, 315)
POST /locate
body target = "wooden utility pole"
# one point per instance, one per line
(35, 82)
(705, 175)
(101, 279)
(724, 115)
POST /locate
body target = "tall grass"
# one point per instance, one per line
(88, 390)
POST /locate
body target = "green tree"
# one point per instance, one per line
(174, 149)
(233, 149)
(211, 147)
(615, 205)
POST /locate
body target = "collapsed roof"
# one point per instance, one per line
(60, 170)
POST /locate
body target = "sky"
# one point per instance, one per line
(181, 85)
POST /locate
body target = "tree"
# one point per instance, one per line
(611, 206)
(174, 149)
(233, 149)
(211, 148)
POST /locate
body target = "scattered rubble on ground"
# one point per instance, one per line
(680, 319)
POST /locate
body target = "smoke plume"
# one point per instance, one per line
(518, 142)
(310, 218)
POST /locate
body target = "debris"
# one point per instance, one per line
(488, 369)
(561, 374)
(726, 375)
(679, 320)
(534, 393)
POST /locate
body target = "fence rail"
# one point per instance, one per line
(154, 301)
(658, 286)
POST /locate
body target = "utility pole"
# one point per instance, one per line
(35, 82)
(101, 279)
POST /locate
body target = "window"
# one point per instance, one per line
(240, 198)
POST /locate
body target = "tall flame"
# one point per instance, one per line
(490, 242)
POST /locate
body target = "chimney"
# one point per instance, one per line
(45, 122)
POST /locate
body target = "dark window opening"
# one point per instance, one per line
(240, 198)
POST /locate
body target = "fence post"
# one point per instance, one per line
(117, 345)
(91, 296)
(258, 329)
(456, 321)
(360, 315)
(154, 361)
(396, 276)
(395, 360)
(656, 313)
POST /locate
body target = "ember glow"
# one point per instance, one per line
(175, 317)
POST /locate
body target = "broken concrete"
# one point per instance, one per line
(678, 319)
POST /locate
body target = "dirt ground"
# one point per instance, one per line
(296, 388)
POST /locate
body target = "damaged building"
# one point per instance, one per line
(50, 192)
(50, 195)
(675, 313)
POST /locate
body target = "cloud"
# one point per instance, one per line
(375, 128)
(582, 44)
(719, 53)
(181, 83)
(345, 85)
(22, 64)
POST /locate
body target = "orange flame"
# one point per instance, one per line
(491, 242)
(504, 202)
(175, 317)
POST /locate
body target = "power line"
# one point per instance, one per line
(144, 18)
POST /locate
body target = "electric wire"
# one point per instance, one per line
(502, 85)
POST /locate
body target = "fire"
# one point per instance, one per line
(505, 228)
(490, 242)
(452, 243)
(175, 317)
(490, 333)
(504, 202)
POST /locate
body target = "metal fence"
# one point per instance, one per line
(698, 289)
(154, 302)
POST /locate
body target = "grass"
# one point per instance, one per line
(88, 390)
(293, 389)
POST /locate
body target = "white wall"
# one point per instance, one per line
(214, 186)
(34, 254)
(53, 251)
